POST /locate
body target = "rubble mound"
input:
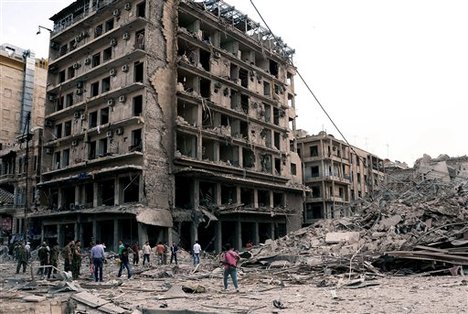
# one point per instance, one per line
(424, 221)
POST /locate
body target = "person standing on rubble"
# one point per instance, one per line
(97, 255)
(196, 253)
(44, 257)
(136, 253)
(67, 255)
(229, 260)
(160, 250)
(146, 253)
(54, 256)
(76, 260)
(124, 261)
(21, 257)
(174, 250)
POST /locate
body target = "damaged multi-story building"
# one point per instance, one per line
(22, 97)
(336, 174)
(168, 121)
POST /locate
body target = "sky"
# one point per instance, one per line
(393, 75)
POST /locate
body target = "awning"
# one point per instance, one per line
(155, 217)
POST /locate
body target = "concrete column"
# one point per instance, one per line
(238, 235)
(60, 239)
(271, 198)
(116, 191)
(239, 156)
(81, 234)
(256, 235)
(238, 196)
(95, 231)
(219, 237)
(194, 233)
(77, 194)
(196, 194)
(199, 149)
(75, 229)
(216, 151)
(142, 234)
(272, 230)
(115, 243)
(255, 198)
(141, 188)
(59, 199)
(218, 194)
(95, 195)
(42, 233)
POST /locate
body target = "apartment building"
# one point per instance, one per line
(336, 174)
(22, 95)
(168, 121)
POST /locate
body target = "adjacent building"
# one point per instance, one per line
(22, 98)
(168, 120)
(336, 174)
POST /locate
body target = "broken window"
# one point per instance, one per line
(67, 128)
(102, 149)
(94, 89)
(57, 160)
(267, 114)
(205, 58)
(244, 77)
(208, 118)
(244, 99)
(137, 144)
(187, 144)
(314, 171)
(183, 193)
(293, 169)
(137, 105)
(313, 211)
(266, 135)
(266, 163)
(60, 103)
(208, 149)
(276, 116)
(277, 139)
(234, 71)
(313, 151)
(105, 115)
(248, 158)
(291, 100)
(229, 154)
(92, 150)
(263, 198)
(205, 88)
(207, 193)
(68, 197)
(106, 192)
(141, 9)
(89, 194)
(92, 119)
(289, 78)
(109, 25)
(58, 130)
(107, 54)
(274, 68)
(96, 59)
(239, 129)
(278, 199)
(98, 31)
(315, 191)
(277, 166)
(69, 100)
(140, 39)
(66, 157)
(266, 89)
(138, 72)
(106, 84)
(62, 76)
(71, 72)
(247, 197)
(129, 188)
(228, 194)
(235, 100)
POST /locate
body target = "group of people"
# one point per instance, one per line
(73, 256)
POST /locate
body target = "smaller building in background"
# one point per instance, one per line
(336, 174)
(22, 95)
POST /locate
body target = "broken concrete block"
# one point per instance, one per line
(340, 237)
(34, 298)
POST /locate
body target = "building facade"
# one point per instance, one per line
(22, 98)
(336, 174)
(168, 120)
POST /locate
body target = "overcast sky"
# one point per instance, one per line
(392, 74)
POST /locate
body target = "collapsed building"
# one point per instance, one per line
(168, 120)
(336, 174)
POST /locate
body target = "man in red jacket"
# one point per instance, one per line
(230, 259)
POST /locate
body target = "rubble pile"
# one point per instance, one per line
(426, 222)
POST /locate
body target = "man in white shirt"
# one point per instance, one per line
(196, 253)
(146, 252)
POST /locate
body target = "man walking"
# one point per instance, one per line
(196, 253)
(67, 255)
(97, 255)
(136, 253)
(44, 256)
(54, 256)
(124, 261)
(174, 250)
(21, 257)
(229, 261)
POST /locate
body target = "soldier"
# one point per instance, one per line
(76, 260)
(44, 255)
(21, 257)
(54, 255)
(67, 255)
